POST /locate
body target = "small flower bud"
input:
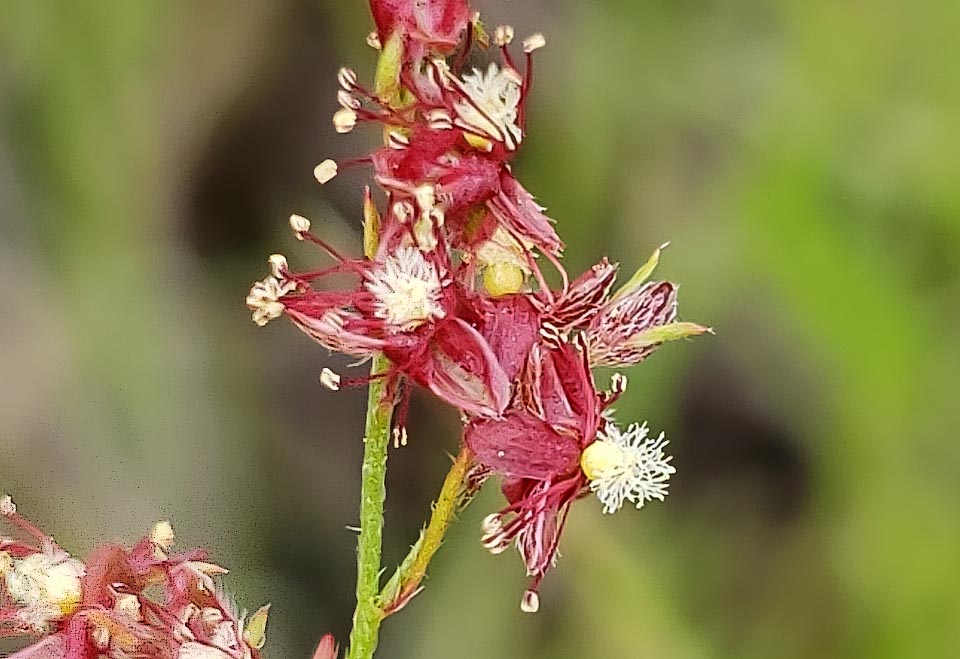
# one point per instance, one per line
(323, 172)
(530, 602)
(330, 379)
(344, 120)
(534, 42)
(327, 648)
(503, 35)
(299, 223)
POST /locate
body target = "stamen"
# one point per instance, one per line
(330, 379)
(299, 223)
(503, 35)
(347, 100)
(162, 535)
(278, 265)
(344, 120)
(534, 42)
(7, 507)
(347, 78)
(324, 172)
(530, 602)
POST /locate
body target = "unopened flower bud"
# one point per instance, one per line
(327, 648)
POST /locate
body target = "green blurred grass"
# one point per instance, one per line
(801, 157)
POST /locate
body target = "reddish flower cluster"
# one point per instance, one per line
(452, 292)
(121, 603)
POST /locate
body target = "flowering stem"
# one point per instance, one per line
(451, 500)
(368, 615)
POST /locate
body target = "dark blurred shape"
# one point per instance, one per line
(267, 141)
(723, 439)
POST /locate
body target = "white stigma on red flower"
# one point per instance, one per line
(627, 466)
(264, 299)
(407, 290)
(493, 104)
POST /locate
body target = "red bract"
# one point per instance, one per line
(122, 603)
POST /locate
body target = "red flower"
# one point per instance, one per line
(537, 447)
(122, 603)
(404, 306)
(555, 445)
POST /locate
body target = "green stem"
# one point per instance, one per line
(368, 615)
(451, 500)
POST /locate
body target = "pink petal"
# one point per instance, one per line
(460, 368)
(521, 445)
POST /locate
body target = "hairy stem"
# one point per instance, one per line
(451, 500)
(368, 615)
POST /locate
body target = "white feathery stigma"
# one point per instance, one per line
(492, 108)
(627, 465)
(407, 289)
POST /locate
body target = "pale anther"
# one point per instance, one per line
(324, 172)
(534, 42)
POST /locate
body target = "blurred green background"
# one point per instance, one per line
(803, 159)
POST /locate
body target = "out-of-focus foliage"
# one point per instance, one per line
(802, 157)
